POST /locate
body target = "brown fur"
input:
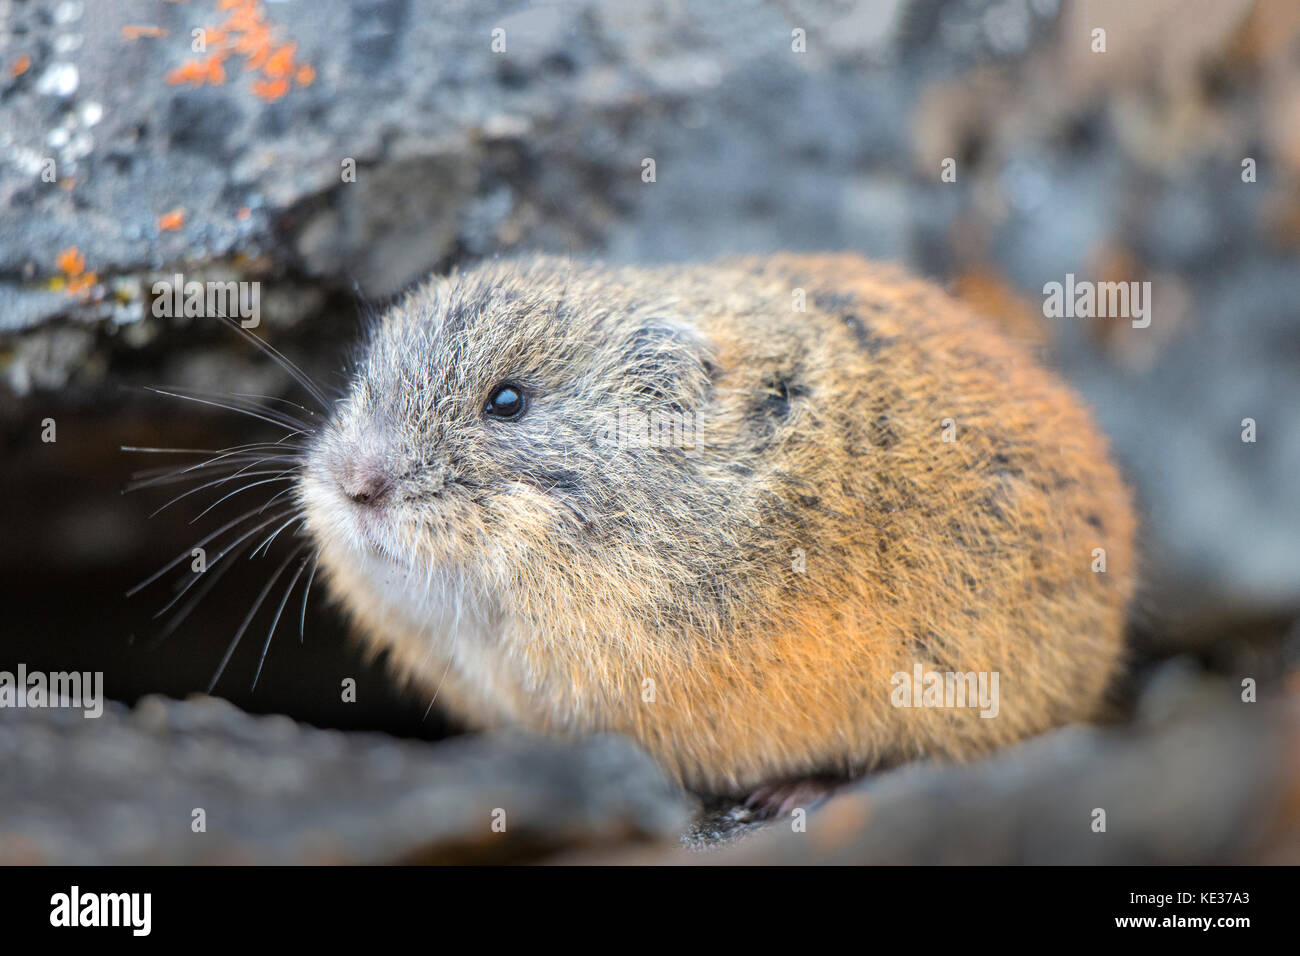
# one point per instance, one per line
(534, 576)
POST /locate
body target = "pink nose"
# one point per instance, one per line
(364, 480)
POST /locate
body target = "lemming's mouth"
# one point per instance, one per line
(374, 535)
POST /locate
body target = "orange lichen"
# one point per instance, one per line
(255, 49)
(243, 212)
(71, 262)
(188, 72)
(75, 278)
(20, 65)
(136, 32)
(279, 63)
(270, 89)
(246, 33)
(171, 221)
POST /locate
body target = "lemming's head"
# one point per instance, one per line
(480, 434)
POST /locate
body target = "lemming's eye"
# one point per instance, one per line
(506, 403)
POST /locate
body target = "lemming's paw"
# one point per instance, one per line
(781, 798)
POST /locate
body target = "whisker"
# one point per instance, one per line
(268, 462)
(289, 475)
(232, 469)
(212, 576)
(217, 481)
(198, 451)
(267, 543)
(278, 495)
(165, 471)
(221, 554)
(298, 374)
(246, 453)
(243, 402)
(275, 622)
(170, 451)
(274, 398)
(218, 455)
(248, 620)
(152, 477)
(289, 426)
(302, 617)
(185, 554)
(437, 689)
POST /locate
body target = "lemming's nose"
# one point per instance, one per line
(364, 480)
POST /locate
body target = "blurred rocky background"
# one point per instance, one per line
(128, 155)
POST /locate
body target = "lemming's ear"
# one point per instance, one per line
(671, 361)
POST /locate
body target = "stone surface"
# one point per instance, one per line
(1199, 779)
(1199, 793)
(123, 789)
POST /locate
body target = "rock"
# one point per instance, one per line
(123, 789)
(1215, 786)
